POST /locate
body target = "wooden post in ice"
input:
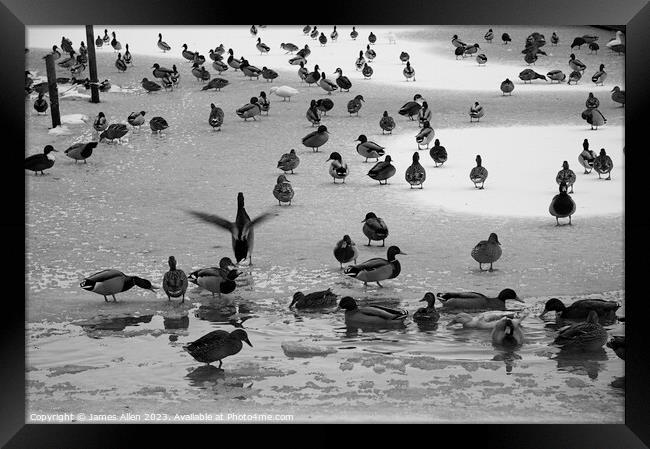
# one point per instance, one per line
(92, 64)
(53, 90)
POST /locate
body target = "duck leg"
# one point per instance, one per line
(383, 242)
(114, 300)
(220, 363)
(491, 270)
(105, 298)
(609, 176)
(570, 221)
(368, 242)
(379, 284)
(557, 221)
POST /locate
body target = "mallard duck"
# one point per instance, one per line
(99, 42)
(113, 132)
(424, 114)
(343, 82)
(594, 47)
(264, 102)
(282, 191)
(594, 117)
(217, 345)
(412, 108)
(603, 164)
(367, 71)
(592, 102)
(316, 139)
(220, 66)
(69, 61)
(289, 161)
(304, 52)
(334, 35)
(574, 77)
(471, 49)
(216, 117)
(285, 92)
(306, 29)
(105, 86)
(338, 169)
(576, 64)
(487, 251)
(427, 314)
(100, 123)
(481, 59)
(40, 162)
(505, 37)
(409, 72)
(580, 309)
(377, 269)
(327, 85)
(232, 61)
(314, 300)
(66, 44)
(456, 42)
(40, 104)
(262, 47)
(554, 38)
(489, 36)
(484, 320)
(253, 30)
(174, 281)
(216, 83)
(249, 70)
(175, 76)
(302, 72)
(289, 47)
(438, 153)
(479, 173)
(115, 43)
(404, 57)
(164, 46)
(346, 251)
(370, 53)
(562, 205)
(187, 54)
(268, 74)
(372, 315)
(158, 124)
(324, 105)
(530, 57)
(314, 32)
(250, 110)
(242, 229)
(313, 114)
(374, 228)
(507, 333)
(313, 77)
(566, 175)
(369, 149)
(354, 33)
(425, 136)
(618, 95)
(150, 86)
(476, 301)
(587, 157)
(372, 38)
(120, 64)
(476, 112)
(556, 75)
(382, 170)
(459, 51)
(106, 37)
(530, 75)
(415, 175)
(354, 105)
(200, 73)
(81, 151)
(586, 336)
(136, 119)
(386, 123)
(110, 282)
(161, 72)
(322, 39)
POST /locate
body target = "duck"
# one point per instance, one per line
(369, 149)
(136, 119)
(303, 72)
(377, 269)
(425, 136)
(114, 131)
(83, 50)
(372, 315)
(316, 139)
(424, 114)
(530, 58)
(242, 229)
(456, 42)
(359, 63)
(304, 52)
(372, 38)
(556, 75)
(187, 54)
(342, 81)
(314, 32)
(105, 86)
(374, 228)
(285, 92)
(56, 54)
(505, 37)
(106, 37)
(476, 112)
(327, 85)
(161, 72)
(167, 83)
(120, 64)
(216, 83)
(618, 95)
(334, 35)
(592, 102)
(386, 123)
(100, 123)
(313, 114)
(346, 251)
(253, 30)
(69, 61)
(412, 108)
(576, 64)
(562, 205)
(264, 102)
(530, 75)
(603, 164)
(164, 46)
(268, 74)
(314, 300)
(282, 191)
(313, 77)
(484, 320)
(250, 110)
(200, 73)
(594, 117)
(42, 161)
(471, 49)
(322, 39)
(174, 281)
(217, 345)
(306, 29)
(580, 309)
(382, 170)
(574, 77)
(289, 161)
(40, 104)
(590, 38)
(507, 332)
(438, 153)
(404, 57)
(66, 44)
(262, 47)
(175, 76)
(324, 105)
(354, 33)
(370, 53)
(289, 47)
(415, 175)
(367, 71)
(150, 86)
(487, 251)
(587, 157)
(81, 151)
(158, 124)
(220, 66)
(481, 59)
(479, 173)
(115, 43)
(216, 117)
(249, 70)
(472, 301)
(577, 42)
(586, 336)
(594, 47)
(555, 39)
(99, 42)
(338, 169)
(459, 51)
(232, 61)
(566, 175)
(409, 72)
(111, 282)
(354, 105)
(427, 314)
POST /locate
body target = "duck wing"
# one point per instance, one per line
(369, 265)
(215, 220)
(595, 304)
(383, 312)
(449, 295)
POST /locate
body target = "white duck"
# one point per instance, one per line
(485, 320)
(284, 92)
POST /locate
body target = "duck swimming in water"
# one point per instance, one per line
(110, 282)
(487, 251)
(473, 301)
(427, 314)
(370, 315)
(586, 336)
(580, 309)
(562, 205)
(374, 228)
(507, 333)
(314, 300)
(217, 345)
(377, 269)
(346, 251)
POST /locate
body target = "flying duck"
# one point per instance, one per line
(261, 46)
(343, 82)
(505, 37)
(382, 170)
(530, 75)
(374, 228)
(334, 35)
(324, 105)
(100, 123)
(377, 269)
(289, 47)
(338, 169)
(438, 153)
(576, 64)
(242, 229)
(174, 281)
(587, 157)
(40, 162)
(216, 83)
(284, 92)
(346, 251)
(322, 39)
(594, 117)
(425, 136)
(409, 72)
(216, 117)
(313, 114)
(554, 38)
(327, 85)
(600, 76)
(360, 61)
(603, 164)
(580, 309)
(110, 282)
(369, 149)
(268, 74)
(479, 173)
(456, 42)
(289, 161)
(162, 44)
(412, 108)
(367, 71)
(158, 124)
(354, 33)
(120, 64)
(562, 205)
(114, 131)
(566, 175)
(507, 332)
(40, 104)
(415, 175)
(386, 123)
(427, 314)
(150, 86)
(316, 139)
(81, 151)
(354, 105)
(404, 57)
(282, 191)
(487, 251)
(314, 300)
(618, 95)
(217, 345)
(250, 110)
(473, 301)
(586, 336)
(476, 112)
(556, 75)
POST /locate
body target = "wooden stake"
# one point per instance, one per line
(53, 90)
(92, 64)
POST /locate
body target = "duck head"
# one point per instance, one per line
(282, 179)
(602, 152)
(253, 100)
(263, 94)
(572, 56)
(348, 240)
(347, 303)
(360, 97)
(616, 89)
(418, 97)
(455, 36)
(436, 143)
(312, 105)
(335, 157)
(240, 200)
(48, 149)
(394, 251)
(369, 215)
(362, 138)
(494, 239)
(172, 263)
(322, 75)
(552, 304)
(563, 188)
(509, 293)
(361, 53)
(388, 158)
(143, 283)
(227, 264)
(565, 165)
(155, 66)
(322, 129)
(292, 152)
(240, 334)
(479, 161)
(602, 67)
(385, 115)
(426, 124)
(585, 144)
(425, 105)
(159, 36)
(338, 70)
(296, 297)
(430, 299)
(416, 158)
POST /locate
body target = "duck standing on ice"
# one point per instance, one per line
(377, 269)
(562, 205)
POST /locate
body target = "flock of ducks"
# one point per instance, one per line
(506, 329)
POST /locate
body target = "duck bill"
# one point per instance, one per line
(404, 254)
(248, 342)
(517, 298)
(541, 315)
(337, 309)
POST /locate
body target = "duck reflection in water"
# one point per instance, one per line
(582, 363)
(204, 375)
(178, 322)
(222, 314)
(113, 323)
(508, 357)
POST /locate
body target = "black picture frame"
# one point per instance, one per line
(635, 15)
